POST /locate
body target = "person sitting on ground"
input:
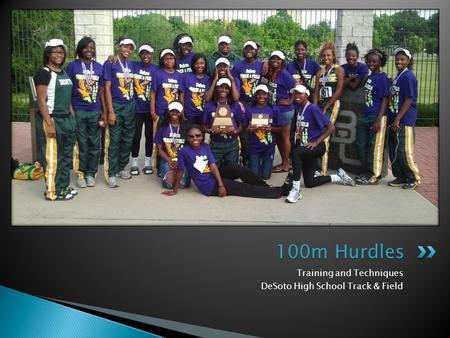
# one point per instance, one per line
(196, 157)
(312, 127)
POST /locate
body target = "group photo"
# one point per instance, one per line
(225, 117)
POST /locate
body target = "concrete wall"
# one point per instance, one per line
(98, 24)
(353, 26)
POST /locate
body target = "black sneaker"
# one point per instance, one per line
(398, 182)
(364, 180)
(62, 196)
(70, 190)
(410, 186)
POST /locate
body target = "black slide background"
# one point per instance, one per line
(209, 276)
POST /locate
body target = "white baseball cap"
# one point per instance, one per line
(55, 43)
(166, 51)
(127, 42)
(147, 48)
(262, 87)
(222, 81)
(222, 60)
(175, 105)
(404, 50)
(301, 89)
(224, 38)
(185, 39)
(278, 53)
(250, 43)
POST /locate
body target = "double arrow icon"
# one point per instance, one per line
(423, 251)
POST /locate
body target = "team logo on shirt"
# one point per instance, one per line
(201, 164)
(142, 85)
(125, 86)
(88, 90)
(263, 137)
(247, 86)
(368, 87)
(197, 96)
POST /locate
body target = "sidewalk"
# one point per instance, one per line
(139, 200)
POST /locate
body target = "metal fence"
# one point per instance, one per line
(273, 29)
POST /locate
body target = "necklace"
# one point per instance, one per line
(87, 75)
(125, 70)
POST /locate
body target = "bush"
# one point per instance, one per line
(428, 115)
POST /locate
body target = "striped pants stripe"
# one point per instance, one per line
(332, 114)
(401, 154)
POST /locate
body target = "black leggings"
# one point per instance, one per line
(143, 118)
(305, 160)
(251, 186)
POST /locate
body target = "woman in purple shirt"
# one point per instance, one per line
(196, 157)
(262, 137)
(281, 82)
(193, 89)
(182, 46)
(312, 127)
(355, 72)
(402, 120)
(88, 101)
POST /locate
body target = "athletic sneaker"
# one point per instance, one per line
(294, 196)
(125, 175)
(398, 182)
(81, 182)
(70, 190)
(134, 171)
(63, 196)
(410, 185)
(363, 180)
(112, 182)
(346, 179)
(90, 181)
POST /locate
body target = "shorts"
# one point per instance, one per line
(165, 169)
(286, 117)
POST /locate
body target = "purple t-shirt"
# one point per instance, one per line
(308, 69)
(121, 82)
(198, 164)
(166, 87)
(208, 117)
(312, 122)
(85, 93)
(170, 138)
(194, 93)
(375, 89)
(183, 65)
(249, 75)
(281, 89)
(142, 84)
(405, 87)
(360, 71)
(260, 140)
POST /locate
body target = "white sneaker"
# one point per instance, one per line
(317, 173)
(90, 181)
(81, 182)
(112, 182)
(346, 179)
(125, 175)
(294, 196)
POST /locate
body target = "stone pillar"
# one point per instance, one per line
(98, 24)
(353, 26)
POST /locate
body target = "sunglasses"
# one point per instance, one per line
(194, 135)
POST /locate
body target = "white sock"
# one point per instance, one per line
(134, 161)
(296, 185)
(336, 178)
(148, 161)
